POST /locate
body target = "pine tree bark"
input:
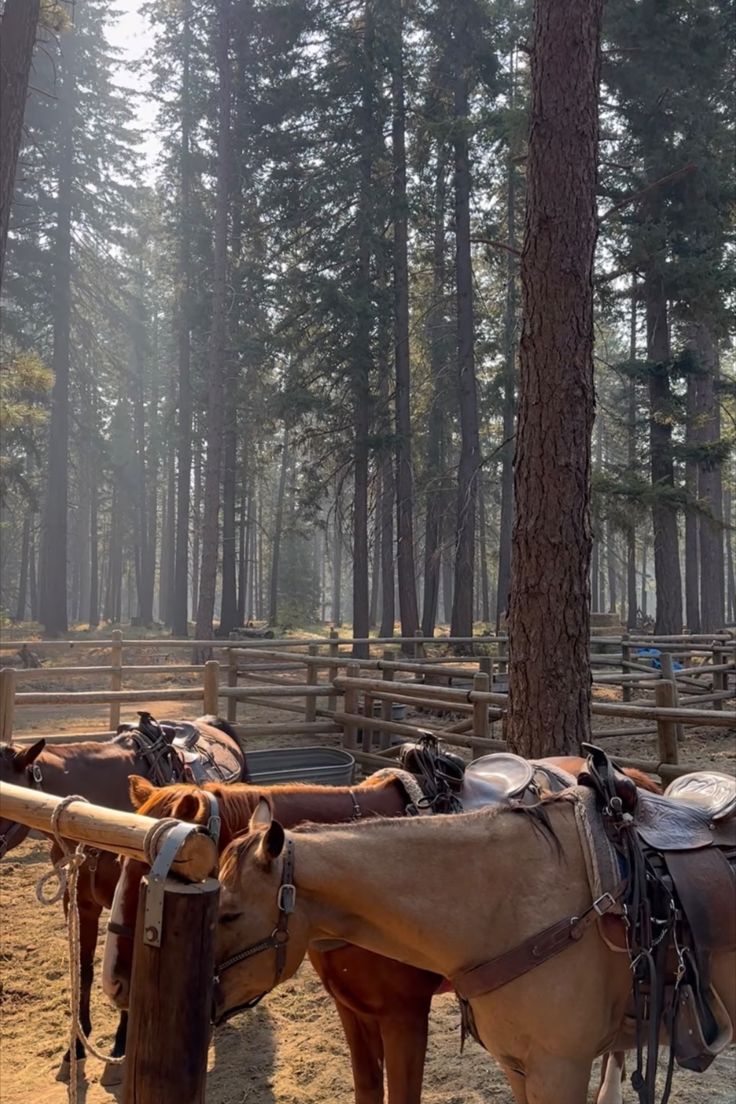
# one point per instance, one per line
(692, 555)
(549, 625)
(179, 591)
(278, 528)
(485, 601)
(469, 464)
(32, 578)
(404, 469)
(218, 338)
(54, 533)
(228, 605)
(25, 544)
(337, 567)
(93, 612)
(631, 602)
(730, 521)
(17, 39)
(710, 483)
(667, 576)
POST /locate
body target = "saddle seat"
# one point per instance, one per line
(708, 791)
(182, 734)
(494, 779)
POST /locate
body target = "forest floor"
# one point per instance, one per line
(290, 1050)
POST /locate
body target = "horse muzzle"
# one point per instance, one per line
(220, 1015)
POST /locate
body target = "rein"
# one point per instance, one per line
(277, 940)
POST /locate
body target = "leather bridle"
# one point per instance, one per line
(276, 941)
(15, 828)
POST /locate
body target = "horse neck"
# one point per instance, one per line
(394, 887)
(336, 804)
(98, 772)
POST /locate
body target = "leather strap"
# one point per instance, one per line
(535, 950)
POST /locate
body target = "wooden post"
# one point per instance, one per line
(116, 678)
(310, 707)
(625, 660)
(334, 652)
(481, 725)
(720, 678)
(503, 652)
(387, 713)
(350, 733)
(211, 687)
(232, 680)
(668, 672)
(666, 729)
(7, 704)
(166, 1050)
(418, 647)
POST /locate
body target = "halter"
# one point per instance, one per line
(276, 941)
(15, 828)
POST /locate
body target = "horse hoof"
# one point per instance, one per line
(112, 1074)
(64, 1072)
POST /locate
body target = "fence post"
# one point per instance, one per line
(7, 704)
(418, 647)
(625, 660)
(116, 678)
(668, 673)
(232, 680)
(720, 678)
(503, 652)
(166, 1052)
(310, 707)
(666, 729)
(333, 672)
(350, 731)
(211, 687)
(480, 714)
(387, 713)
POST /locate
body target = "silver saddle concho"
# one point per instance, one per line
(707, 791)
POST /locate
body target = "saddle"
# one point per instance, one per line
(679, 854)
(178, 751)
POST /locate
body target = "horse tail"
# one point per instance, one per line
(642, 780)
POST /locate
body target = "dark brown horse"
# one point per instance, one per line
(383, 1004)
(101, 772)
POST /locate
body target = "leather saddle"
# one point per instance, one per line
(685, 840)
(191, 756)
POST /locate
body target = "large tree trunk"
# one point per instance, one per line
(17, 39)
(143, 439)
(710, 488)
(549, 625)
(503, 584)
(218, 340)
(337, 566)
(32, 578)
(229, 603)
(485, 607)
(179, 592)
(631, 603)
(54, 541)
(667, 577)
(469, 464)
(404, 470)
(437, 342)
(730, 575)
(25, 544)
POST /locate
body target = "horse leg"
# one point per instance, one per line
(405, 1049)
(551, 1079)
(612, 1075)
(366, 1054)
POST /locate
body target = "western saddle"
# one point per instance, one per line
(178, 751)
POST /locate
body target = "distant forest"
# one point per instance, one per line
(269, 372)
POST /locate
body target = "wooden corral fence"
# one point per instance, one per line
(173, 961)
(304, 678)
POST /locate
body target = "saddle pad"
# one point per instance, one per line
(711, 791)
(668, 825)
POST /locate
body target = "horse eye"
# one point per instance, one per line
(229, 917)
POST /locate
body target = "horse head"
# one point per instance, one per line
(16, 766)
(259, 946)
(183, 802)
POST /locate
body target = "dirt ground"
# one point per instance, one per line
(290, 1050)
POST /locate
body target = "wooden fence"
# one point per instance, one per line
(173, 958)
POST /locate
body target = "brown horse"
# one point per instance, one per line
(100, 772)
(383, 1005)
(443, 894)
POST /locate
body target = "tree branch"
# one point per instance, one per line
(649, 188)
(496, 245)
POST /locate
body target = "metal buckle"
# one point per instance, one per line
(213, 827)
(286, 899)
(37, 774)
(604, 903)
(153, 911)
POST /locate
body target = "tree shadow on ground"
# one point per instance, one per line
(241, 1064)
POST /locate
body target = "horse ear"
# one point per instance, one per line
(188, 807)
(139, 789)
(262, 815)
(24, 758)
(272, 843)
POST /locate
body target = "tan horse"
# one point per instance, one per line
(444, 894)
